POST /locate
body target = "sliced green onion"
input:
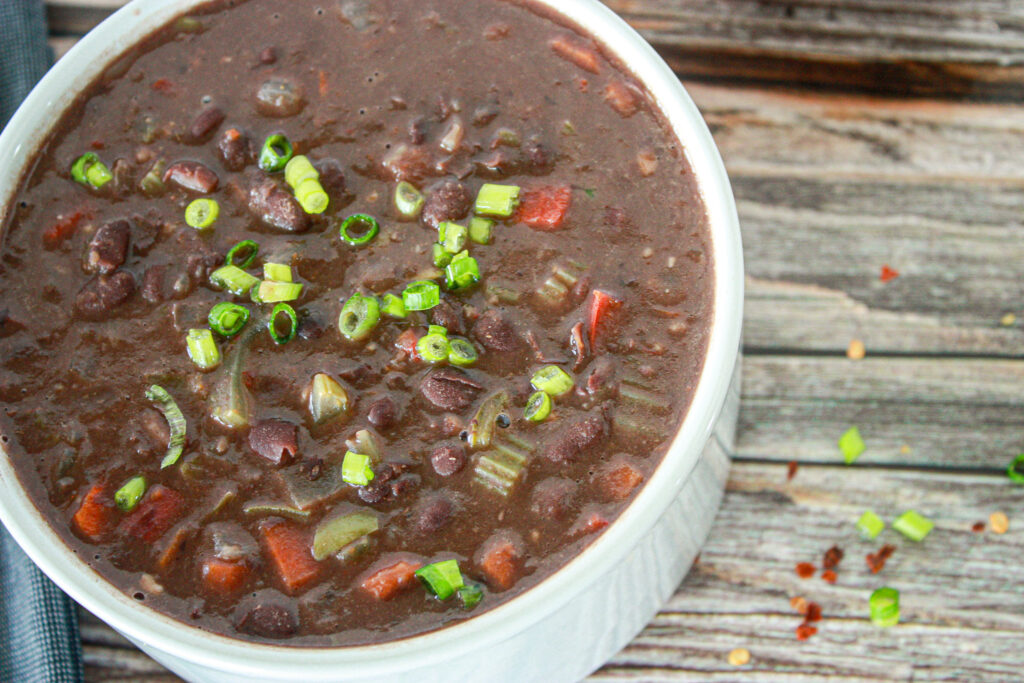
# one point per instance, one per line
(298, 170)
(471, 594)
(358, 317)
(481, 230)
(128, 496)
(175, 423)
(355, 469)
(538, 407)
(293, 324)
(359, 229)
(1016, 469)
(421, 296)
(393, 306)
(870, 525)
(152, 183)
(245, 250)
(334, 534)
(312, 197)
(202, 349)
(441, 256)
(481, 427)
(553, 380)
(461, 352)
(234, 280)
(227, 319)
(277, 272)
(408, 200)
(276, 153)
(269, 292)
(462, 272)
(452, 237)
(202, 213)
(441, 578)
(89, 170)
(327, 399)
(885, 607)
(433, 348)
(913, 525)
(499, 201)
(851, 445)
(437, 329)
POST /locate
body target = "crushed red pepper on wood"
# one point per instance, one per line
(813, 612)
(876, 561)
(829, 576)
(978, 527)
(833, 556)
(805, 570)
(791, 469)
(888, 274)
(805, 631)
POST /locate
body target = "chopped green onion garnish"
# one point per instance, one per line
(175, 423)
(481, 230)
(870, 525)
(202, 213)
(421, 296)
(89, 170)
(128, 496)
(358, 317)
(433, 348)
(553, 380)
(461, 352)
(462, 272)
(202, 349)
(356, 470)
(228, 319)
(452, 237)
(497, 200)
(276, 153)
(298, 170)
(1015, 471)
(277, 272)
(245, 250)
(312, 197)
(913, 525)
(851, 445)
(441, 578)
(441, 257)
(471, 594)
(393, 306)
(359, 229)
(538, 407)
(234, 280)
(885, 607)
(437, 329)
(408, 200)
(269, 292)
(293, 323)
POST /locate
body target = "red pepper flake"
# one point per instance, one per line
(833, 556)
(97, 145)
(800, 604)
(829, 576)
(791, 470)
(813, 613)
(805, 631)
(888, 273)
(62, 229)
(805, 570)
(323, 87)
(978, 527)
(163, 85)
(877, 560)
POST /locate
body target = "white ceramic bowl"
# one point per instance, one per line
(566, 626)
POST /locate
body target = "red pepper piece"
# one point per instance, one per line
(544, 208)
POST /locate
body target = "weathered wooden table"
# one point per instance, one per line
(857, 133)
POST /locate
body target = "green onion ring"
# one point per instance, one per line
(370, 228)
(202, 213)
(1014, 471)
(358, 317)
(89, 170)
(253, 249)
(538, 407)
(272, 323)
(175, 421)
(461, 352)
(276, 153)
(433, 348)
(228, 319)
(421, 296)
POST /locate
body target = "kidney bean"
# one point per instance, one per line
(191, 176)
(449, 316)
(432, 513)
(411, 164)
(553, 497)
(496, 333)
(268, 55)
(275, 440)
(236, 149)
(382, 413)
(332, 177)
(450, 201)
(153, 284)
(205, 124)
(280, 97)
(104, 293)
(447, 459)
(108, 247)
(277, 208)
(450, 389)
(574, 439)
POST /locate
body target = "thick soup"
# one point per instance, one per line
(332, 322)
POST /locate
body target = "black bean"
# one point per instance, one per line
(268, 55)
(332, 177)
(191, 176)
(404, 484)
(539, 159)
(279, 97)
(496, 333)
(277, 208)
(448, 459)
(449, 201)
(310, 328)
(104, 293)
(449, 316)
(109, 247)
(373, 493)
(432, 513)
(552, 498)
(574, 439)
(236, 149)
(275, 440)
(269, 620)
(205, 124)
(383, 413)
(450, 389)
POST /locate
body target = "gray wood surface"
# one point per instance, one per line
(833, 183)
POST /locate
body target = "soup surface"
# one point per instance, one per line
(500, 274)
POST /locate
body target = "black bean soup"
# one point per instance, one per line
(329, 322)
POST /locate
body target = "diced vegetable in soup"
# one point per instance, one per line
(329, 323)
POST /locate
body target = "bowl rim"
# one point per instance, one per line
(18, 144)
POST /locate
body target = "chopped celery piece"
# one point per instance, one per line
(334, 534)
(202, 349)
(304, 493)
(503, 293)
(498, 201)
(644, 400)
(327, 399)
(499, 469)
(481, 428)
(256, 509)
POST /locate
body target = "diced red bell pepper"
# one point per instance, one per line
(545, 208)
(602, 304)
(64, 228)
(157, 513)
(94, 514)
(406, 342)
(386, 583)
(290, 552)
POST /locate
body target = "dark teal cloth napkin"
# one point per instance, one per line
(39, 641)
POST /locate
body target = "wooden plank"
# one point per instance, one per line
(949, 412)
